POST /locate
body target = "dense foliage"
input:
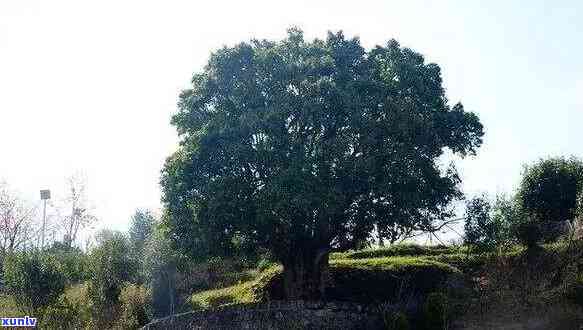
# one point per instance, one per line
(111, 263)
(142, 225)
(34, 278)
(481, 228)
(298, 146)
(550, 187)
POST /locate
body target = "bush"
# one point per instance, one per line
(575, 290)
(435, 312)
(73, 263)
(34, 277)
(548, 192)
(382, 279)
(111, 264)
(481, 229)
(135, 301)
(395, 320)
(62, 314)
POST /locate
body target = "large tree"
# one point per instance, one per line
(299, 146)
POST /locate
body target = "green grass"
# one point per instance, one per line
(8, 307)
(243, 293)
(399, 250)
(395, 264)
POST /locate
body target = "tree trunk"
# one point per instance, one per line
(305, 275)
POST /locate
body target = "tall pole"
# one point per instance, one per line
(44, 195)
(42, 245)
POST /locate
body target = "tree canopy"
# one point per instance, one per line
(549, 188)
(300, 146)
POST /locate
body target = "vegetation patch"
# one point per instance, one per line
(386, 279)
(360, 280)
(399, 250)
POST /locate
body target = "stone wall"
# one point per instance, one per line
(275, 315)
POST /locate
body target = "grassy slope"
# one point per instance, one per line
(351, 277)
(366, 273)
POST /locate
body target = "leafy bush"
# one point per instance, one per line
(160, 265)
(575, 290)
(62, 314)
(381, 279)
(548, 192)
(481, 229)
(550, 187)
(34, 277)
(135, 301)
(435, 312)
(112, 263)
(73, 263)
(395, 320)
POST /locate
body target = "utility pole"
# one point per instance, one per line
(44, 196)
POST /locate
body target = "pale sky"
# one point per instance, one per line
(91, 85)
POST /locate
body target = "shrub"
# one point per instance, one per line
(395, 320)
(435, 312)
(160, 270)
(529, 233)
(575, 290)
(381, 279)
(34, 277)
(111, 264)
(507, 213)
(62, 314)
(135, 301)
(481, 229)
(548, 192)
(73, 263)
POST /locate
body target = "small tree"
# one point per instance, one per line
(508, 214)
(142, 225)
(17, 226)
(75, 213)
(111, 264)
(160, 265)
(34, 278)
(478, 228)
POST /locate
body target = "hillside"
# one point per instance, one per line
(475, 288)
